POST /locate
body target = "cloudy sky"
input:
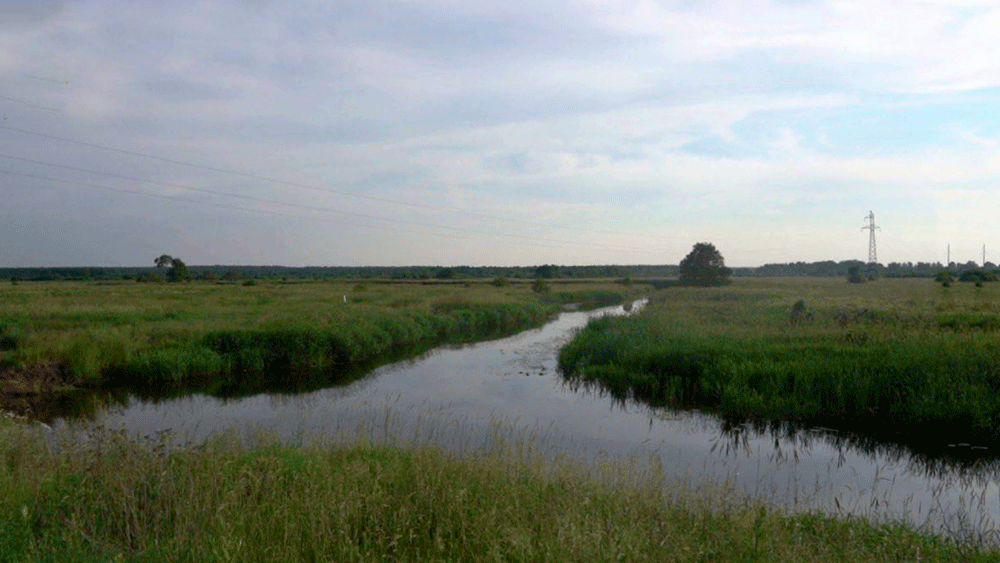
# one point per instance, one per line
(448, 132)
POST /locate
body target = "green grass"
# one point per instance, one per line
(234, 338)
(879, 358)
(116, 499)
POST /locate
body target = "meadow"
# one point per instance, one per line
(896, 359)
(251, 497)
(240, 498)
(240, 338)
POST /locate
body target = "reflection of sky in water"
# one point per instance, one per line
(468, 396)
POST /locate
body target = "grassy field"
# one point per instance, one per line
(116, 499)
(249, 337)
(899, 358)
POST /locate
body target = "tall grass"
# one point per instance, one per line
(880, 358)
(238, 339)
(113, 498)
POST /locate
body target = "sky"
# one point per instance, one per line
(517, 133)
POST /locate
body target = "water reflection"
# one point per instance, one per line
(508, 390)
(932, 460)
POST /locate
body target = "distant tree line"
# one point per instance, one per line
(827, 268)
(232, 273)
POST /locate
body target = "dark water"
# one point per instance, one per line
(470, 396)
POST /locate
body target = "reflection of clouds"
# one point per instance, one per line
(931, 487)
(458, 398)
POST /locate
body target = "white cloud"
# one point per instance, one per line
(627, 117)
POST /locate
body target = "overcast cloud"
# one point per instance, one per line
(447, 132)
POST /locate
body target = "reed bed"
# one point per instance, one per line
(906, 359)
(116, 498)
(241, 337)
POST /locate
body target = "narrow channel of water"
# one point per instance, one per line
(461, 396)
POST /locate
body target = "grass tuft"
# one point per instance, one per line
(114, 498)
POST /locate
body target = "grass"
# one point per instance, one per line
(236, 339)
(113, 498)
(897, 356)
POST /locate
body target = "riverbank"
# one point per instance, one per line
(236, 339)
(114, 498)
(898, 359)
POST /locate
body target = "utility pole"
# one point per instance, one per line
(984, 255)
(948, 263)
(872, 257)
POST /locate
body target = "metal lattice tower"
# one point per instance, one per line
(871, 226)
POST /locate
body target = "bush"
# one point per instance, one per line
(978, 276)
(540, 286)
(150, 277)
(799, 312)
(944, 278)
(854, 275)
(10, 338)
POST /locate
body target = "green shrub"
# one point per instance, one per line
(854, 275)
(10, 338)
(151, 276)
(540, 286)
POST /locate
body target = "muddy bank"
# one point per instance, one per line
(33, 380)
(38, 392)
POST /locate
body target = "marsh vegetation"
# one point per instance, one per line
(231, 338)
(116, 498)
(106, 495)
(899, 358)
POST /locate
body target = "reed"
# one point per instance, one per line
(880, 358)
(115, 498)
(271, 335)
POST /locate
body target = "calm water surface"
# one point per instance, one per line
(467, 396)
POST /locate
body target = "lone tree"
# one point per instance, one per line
(178, 269)
(704, 266)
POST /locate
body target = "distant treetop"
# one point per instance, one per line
(704, 266)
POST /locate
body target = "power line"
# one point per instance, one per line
(30, 104)
(44, 79)
(527, 240)
(530, 240)
(248, 209)
(304, 186)
(298, 205)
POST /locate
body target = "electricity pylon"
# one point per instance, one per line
(871, 226)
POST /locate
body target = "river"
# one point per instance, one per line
(468, 396)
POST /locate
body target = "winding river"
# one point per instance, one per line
(469, 396)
